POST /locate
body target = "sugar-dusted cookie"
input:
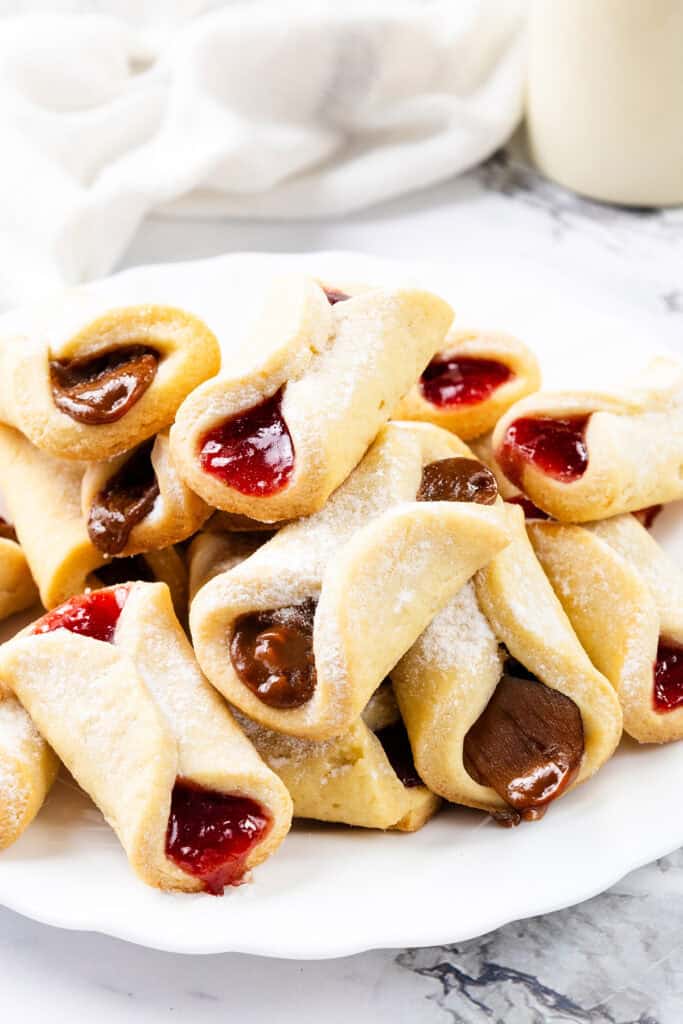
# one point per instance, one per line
(624, 597)
(581, 456)
(111, 682)
(302, 633)
(137, 502)
(503, 707)
(27, 769)
(471, 382)
(43, 495)
(272, 441)
(17, 588)
(83, 381)
(365, 777)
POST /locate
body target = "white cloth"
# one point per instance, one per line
(249, 110)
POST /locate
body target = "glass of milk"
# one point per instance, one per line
(605, 97)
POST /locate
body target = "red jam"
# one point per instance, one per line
(555, 446)
(334, 296)
(648, 515)
(462, 380)
(668, 673)
(210, 835)
(253, 452)
(531, 511)
(94, 615)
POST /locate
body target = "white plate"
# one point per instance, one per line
(335, 891)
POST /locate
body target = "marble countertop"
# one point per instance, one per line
(613, 960)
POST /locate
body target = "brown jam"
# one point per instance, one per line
(126, 570)
(7, 530)
(272, 653)
(124, 501)
(334, 296)
(394, 740)
(527, 744)
(458, 479)
(101, 389)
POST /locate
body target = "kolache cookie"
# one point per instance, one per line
(86, 382)
(471, 382)
(613, 572)
(581, 456)
(28, 768)
(137, 502)
(301, 634)
(60, 553)
(319, 378)
(17, 589)
(111, 682)
(504, 710)
(366, 776)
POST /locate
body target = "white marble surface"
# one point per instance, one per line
(614, 960)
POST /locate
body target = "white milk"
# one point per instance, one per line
(605, 97)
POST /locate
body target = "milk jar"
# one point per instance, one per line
(605, 97)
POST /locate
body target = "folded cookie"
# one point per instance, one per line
(111, 682)
(504, 710)
(82, 381)
(17, 589)
(301, 634)
(365, 777)
(581, 456)
(27, 769)
(624, 597)
(471, 382)
(137, 502)
(43, 495)
(273, 441)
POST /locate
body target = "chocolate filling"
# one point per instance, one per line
(124, 501)
(527, 744)
(458, 479)
(7, 530)
(394, 740)
(126, 570)
(272, 653)
(101, 389)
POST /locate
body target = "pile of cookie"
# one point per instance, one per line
(367, 568)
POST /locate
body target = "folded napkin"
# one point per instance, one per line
(248, 110)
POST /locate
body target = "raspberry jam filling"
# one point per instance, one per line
(555, 446)
(462, 380)
(668, 676)
(394, 740)
(94, 615)
(210, 835)
(124, 501)
(527, 744)
(531, 511)
(272, 654)
(334, 296)
(648, 515)
(458, 479)
(102, 389)
(253, 452)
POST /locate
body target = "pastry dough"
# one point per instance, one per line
(446, 680)
(622, 594)
(375, 564)
(28, 768)
(171, 512)
(43, 495)
(633, 445)
(17, 589)
(39, 346)
(133, 719)
(213, 552)
(321, 381)
(475, 378)
(349, 779)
